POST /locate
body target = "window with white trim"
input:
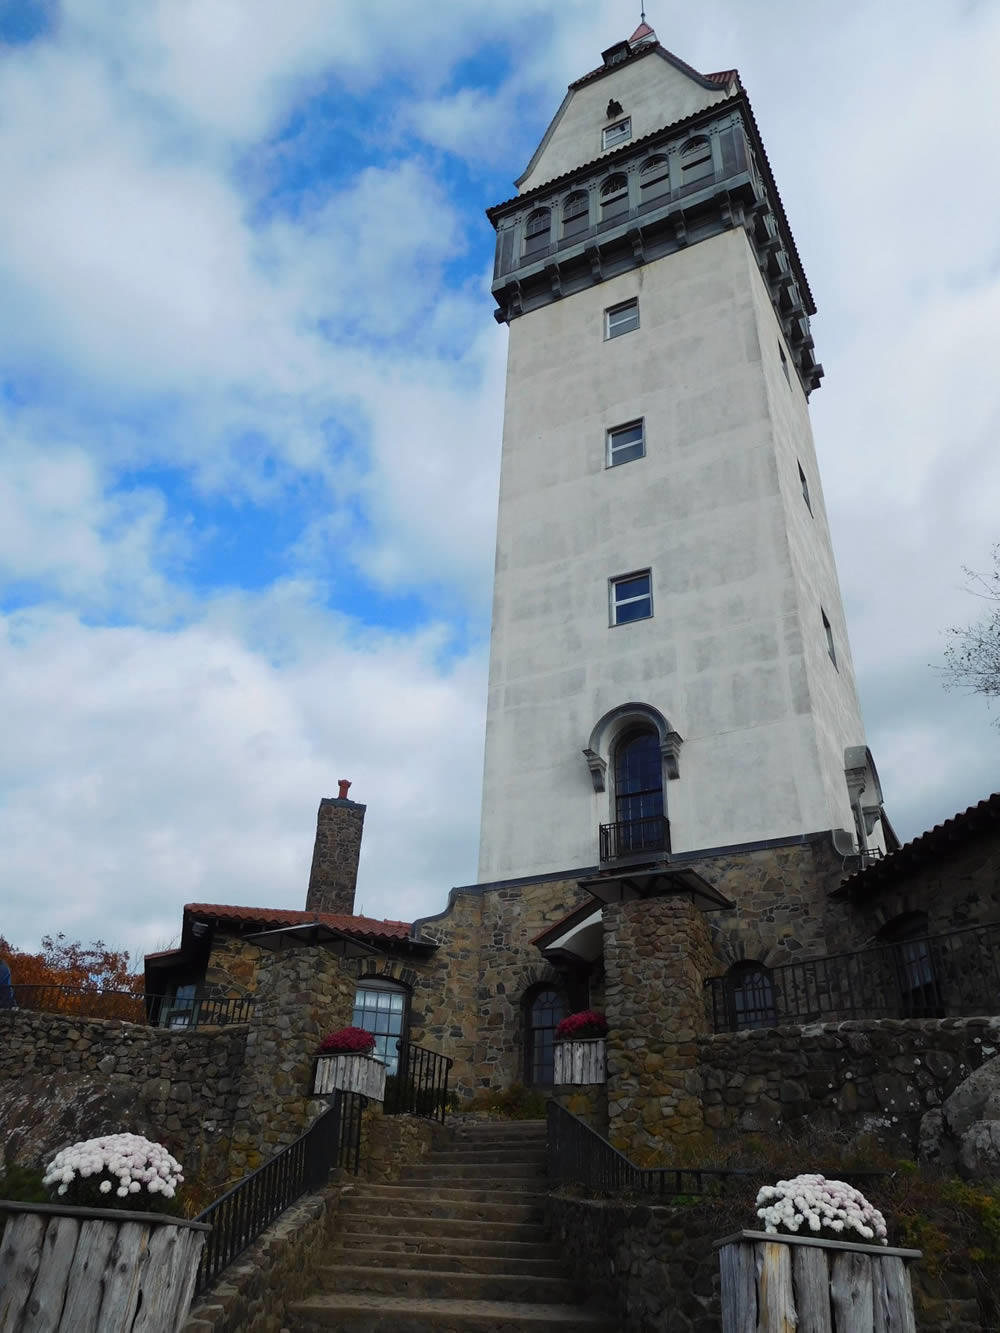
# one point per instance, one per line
(619, 132)
(619, 319)
(380, 1008)
(829, 638)
(626, 443)
(631, 597)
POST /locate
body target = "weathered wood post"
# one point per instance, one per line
(779, 1284)
(93, 1268)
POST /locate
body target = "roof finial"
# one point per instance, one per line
(642, 14)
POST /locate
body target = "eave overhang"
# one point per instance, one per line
(627, 885)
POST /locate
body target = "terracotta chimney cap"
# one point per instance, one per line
(344, 785)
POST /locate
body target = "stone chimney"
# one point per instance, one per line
(336, 853)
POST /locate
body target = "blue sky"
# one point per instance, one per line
(251, 398)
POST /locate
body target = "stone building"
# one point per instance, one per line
(682, 823)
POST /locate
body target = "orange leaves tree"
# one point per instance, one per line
(66, 976)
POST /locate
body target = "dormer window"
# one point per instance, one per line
(618, 133)
(614, 197)
(537, 231)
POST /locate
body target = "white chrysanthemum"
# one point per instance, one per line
(819, 1203)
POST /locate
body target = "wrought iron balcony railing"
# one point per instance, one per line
(633, 837)
(938, 976)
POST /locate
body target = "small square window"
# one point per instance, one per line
(805, 488)
(829, 638)
(621, 318)
(626, 443)
(618, 133)
(631, 597)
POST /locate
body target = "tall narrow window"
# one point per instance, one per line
(576, 214)
(654, 180)
(618, 133)
(631, 598)
(619, 319)
(784, 363)
(913, 965)
(639, 822)
(626, 443)
(805, 495)
(696, 160)
(381, 1010)
(614, 197)
(537, 231)
(829, 637)
(544, 1010)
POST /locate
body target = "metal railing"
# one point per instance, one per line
(578, 1155)
(244, 1212)
(937, 976)
(632, 837)
(420, 1083)
(129, 1006)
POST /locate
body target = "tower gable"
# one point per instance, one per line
(653, 89)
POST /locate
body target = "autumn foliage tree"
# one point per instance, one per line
(66, 976)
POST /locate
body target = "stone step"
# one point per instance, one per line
(389, 1224)
(477, 1248)
(486, 1260)
(436, 1170)
(472, 1191)
(360, 1313)
(423, 1203)
(445, 1284)
(492, 1155)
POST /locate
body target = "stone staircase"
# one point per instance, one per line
(458, 1244)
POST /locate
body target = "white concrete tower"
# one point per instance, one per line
(669, 666)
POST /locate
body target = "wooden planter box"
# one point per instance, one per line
(771, 1283)
(350, 1073)
(580, 1061)
(95, 1268)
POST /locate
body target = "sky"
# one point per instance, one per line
(251, 397)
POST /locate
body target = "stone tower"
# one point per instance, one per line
(669, 670)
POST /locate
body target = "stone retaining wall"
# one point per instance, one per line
(64, 1078)
(852, 1077)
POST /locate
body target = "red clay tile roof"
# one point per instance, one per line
(366, 926)
(937, 841)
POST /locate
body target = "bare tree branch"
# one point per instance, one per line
(972, 657)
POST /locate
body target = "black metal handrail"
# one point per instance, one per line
(632, 837)
(420, 1083)
(240, 1215)
(951, 975)
(129, 1006)
(577, 1155)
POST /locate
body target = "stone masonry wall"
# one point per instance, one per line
(657, 954)
(301, 995)
(336, 853)
(64, 1078)
(231, 972)
(877, 1077)
(956, 890)
(467, 999)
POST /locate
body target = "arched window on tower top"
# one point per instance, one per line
(654, 180)
(576, 214)
(537, 231)
(696, 160)
(614, 197)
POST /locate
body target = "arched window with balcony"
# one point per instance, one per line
(750, 997)
(696, 160)
(654, 180)
(544, 1009)
(639, 824)
(614, 197)
(576, 214)
(537, 231)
